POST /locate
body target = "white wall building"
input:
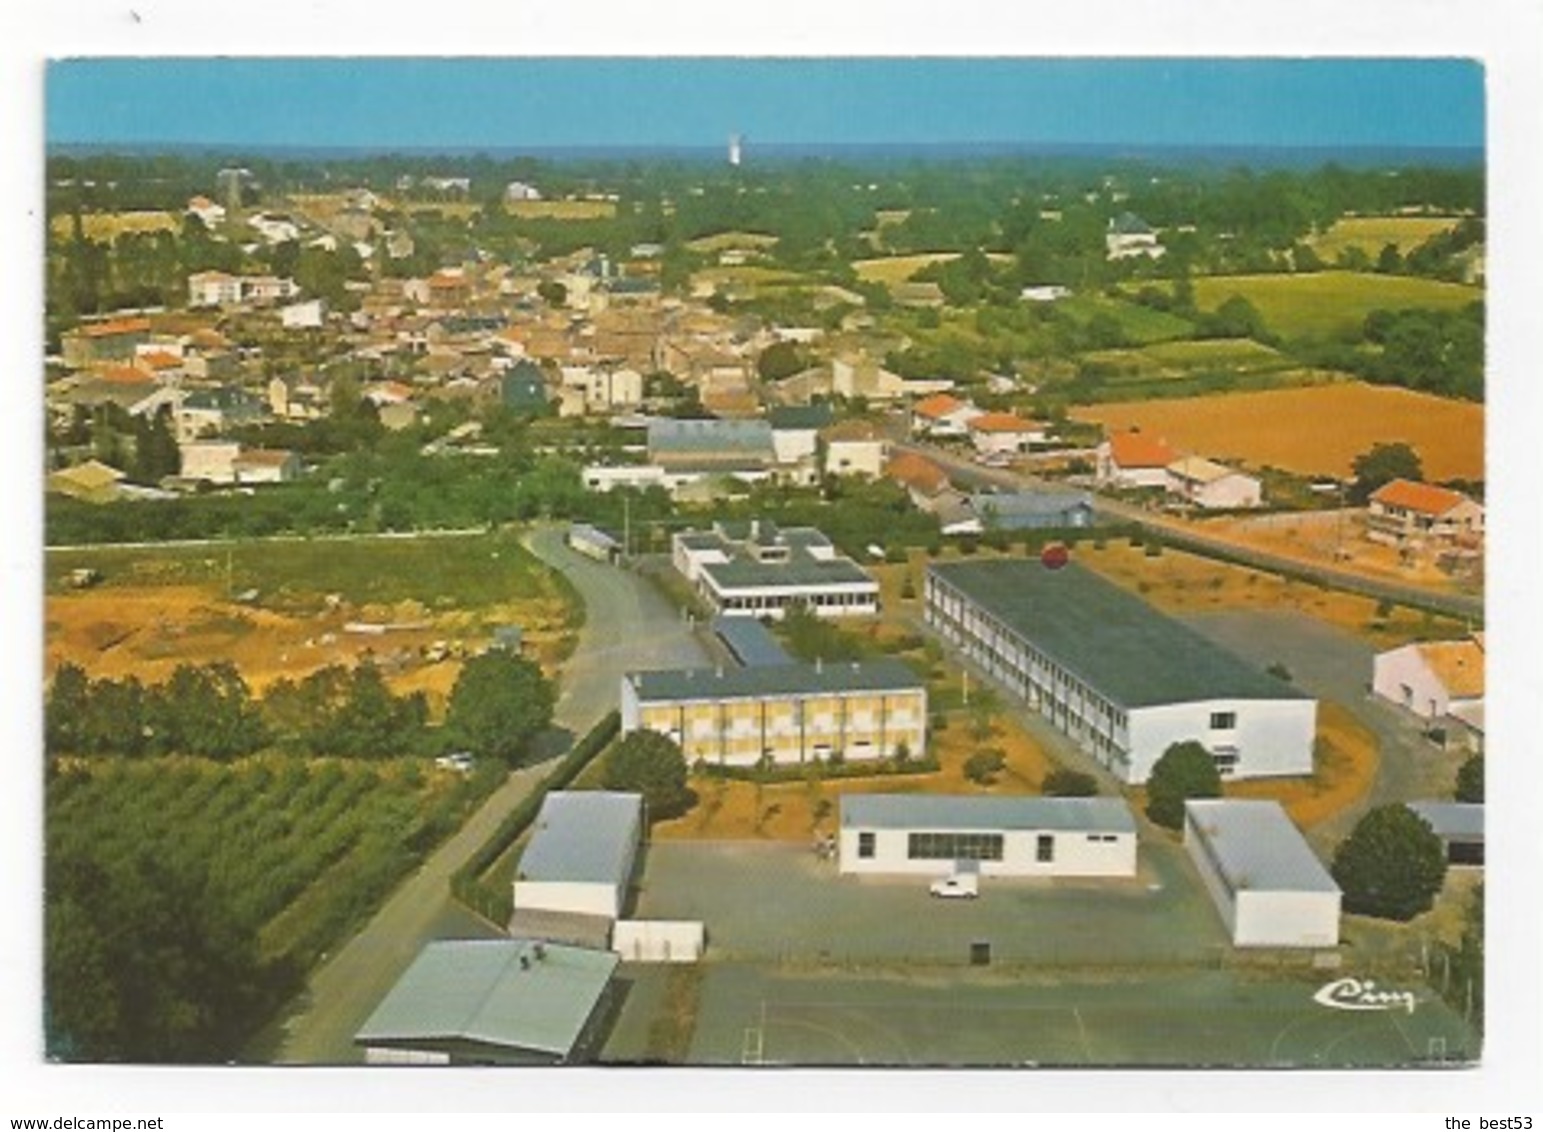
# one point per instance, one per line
(1212, 486)
(581, 856)
(935, 835)
(1120, 679)
(1266, 883)
(1432, 678)
(758, 569)
(308, 315)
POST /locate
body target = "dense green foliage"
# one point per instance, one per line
(1185, 770)
(202, 710)
(500, 702)
(185, 899)
(1381, 465)
(1063, 783)
(341, 711)
(650, 764)
(1470, 780)
(1391, 866)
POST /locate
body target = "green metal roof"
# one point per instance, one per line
(516, 993)
(882, 675)
(945, 812)
(1108, 637)
(796, 417)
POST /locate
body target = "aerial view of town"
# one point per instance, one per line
(826, 598)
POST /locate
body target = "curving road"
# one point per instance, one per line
(628, 625)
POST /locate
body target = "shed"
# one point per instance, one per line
(1460, 825)
(1268, 886)
(581, 855)
(492, 1002)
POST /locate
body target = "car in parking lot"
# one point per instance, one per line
(462, 761)
(959, 886)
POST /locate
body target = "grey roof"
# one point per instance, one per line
(1255, 846)
(707, 437)
(1459, 821)
(583, 836)
(750, 642)
(1129, 224)
(786, 418)
(1108, 637)
(1011, 510)
(800, 569)
(882, 675)
(480, 991)
(966, 812)
(224, 398)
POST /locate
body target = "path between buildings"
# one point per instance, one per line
(628, 625)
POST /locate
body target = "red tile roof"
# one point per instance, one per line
(1428, 499)
(917, 472)
(937, 406)
(117, 326)
(1002, 422)
(123, 375)
(1137, 450)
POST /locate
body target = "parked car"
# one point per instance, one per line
(462, 761)
(963, 886)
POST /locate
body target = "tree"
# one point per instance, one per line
(1185, 770)
(650, 764)
(499, 703)
(1382, 464)
(780, 360)
(1063, 783)
(552, 292)
(64, 710)
(1470, 779)
(1392, 864)
(983, 767)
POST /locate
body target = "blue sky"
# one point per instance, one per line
(697, 101)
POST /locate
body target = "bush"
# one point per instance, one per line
(1185, 770)
(650, 764)
(1392, 864)
(1470, 780)
(983, 767)
(1063, 783)
(1279, 671)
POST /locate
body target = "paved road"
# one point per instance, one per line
(1185, 536)
(627, 625)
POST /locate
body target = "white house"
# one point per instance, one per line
(1045, 293)
(308, 315)
(942, 414)
(519, 190)
(936, 834)
(1212, 486)
(210, 460)
(209, 214)
(1406, 513)
(1129, 236)
(796, 431)
(1133, 459)
(854, 448)
(267, 465)
(1268, 886)
(1432, 679)
(1120, 679)
(581, 856)
(1004, 434)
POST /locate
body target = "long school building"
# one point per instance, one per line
(787, 713)
(1120, 679)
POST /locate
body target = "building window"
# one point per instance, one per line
(954, 847)
(1226, 760)
(865, 845)
(1044, 848)
(1224, 720)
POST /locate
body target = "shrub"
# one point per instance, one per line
(1185, 770)
(1470, 780)
(983, 767)
(1392, 864)
(650, 764)
(1063, 783)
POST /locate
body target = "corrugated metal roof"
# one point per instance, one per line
(583, 836)
(882, 675)
(1256, 846)
(751, 642)
(1109, 638)
(494, 991)
(944, 812)
(1462, 821)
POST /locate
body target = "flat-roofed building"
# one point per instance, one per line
(785, 713)
(493, 1002)
(936, 834)
(1268, 886)
(1460, 825)
(758, 569)
(1120, 679)
(581, 855)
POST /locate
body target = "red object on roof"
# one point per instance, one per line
(1411, 495)
(1137, 450)
(937, 406)
(1002, 422)
(1054, 556)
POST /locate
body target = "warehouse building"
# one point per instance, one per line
(785, 713)
(935, 834)
(758, 569)
(1120, 679)
(581, 854)
(1263, 878)
(493, 1002)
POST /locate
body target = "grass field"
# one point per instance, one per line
(1142, 325)
(1180, 358)
(561, 209)
(1314, 431)
(723, 241)
(1373, 233)
(160, 607)
(1326, 302)
(1209, 1019)
(106, 227)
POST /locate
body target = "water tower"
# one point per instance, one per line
(735, 149)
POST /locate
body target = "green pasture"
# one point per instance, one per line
(1328, 302)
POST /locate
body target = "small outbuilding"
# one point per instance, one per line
(493, 1002)
(936, 834)
(1270, 888)
(1460, 825)
(581, 855)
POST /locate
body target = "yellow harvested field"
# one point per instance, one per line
(106, 227)
(1373, 233)
(562, 209)
(1346, 768)
(724, 241)
(1316, 430)
(894, 269)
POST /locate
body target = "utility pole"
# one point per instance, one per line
(626, 527)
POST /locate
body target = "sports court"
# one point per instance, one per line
(753, 1016)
